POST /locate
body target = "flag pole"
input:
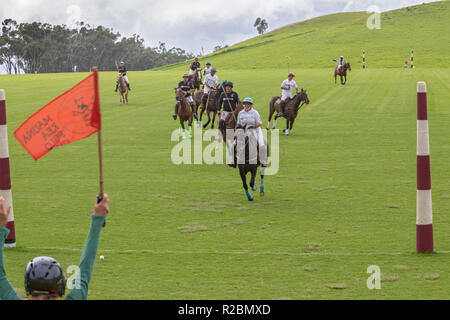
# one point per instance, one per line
(100, 150)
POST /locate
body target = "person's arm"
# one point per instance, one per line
(90, 251)
(6, 290)
(283, 87)
(296, 87)
(258, 122)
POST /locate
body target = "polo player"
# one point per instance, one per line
(229, 100)
(194, 66)
(123, 70)
(286, 88)
(187, 87)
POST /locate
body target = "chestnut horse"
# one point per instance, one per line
(291, 109)
(196, 79)
(184, 111)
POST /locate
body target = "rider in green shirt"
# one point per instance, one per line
(44, 277)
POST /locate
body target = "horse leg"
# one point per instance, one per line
(209, 120)
(183, 128)
(214, 119)
(261, 187)
(275, 120)
(287, 127)
(190, 127)
(270, 117)
(252, 180)
(244, 182)
(292, 124)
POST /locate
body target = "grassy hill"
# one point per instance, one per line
(314, 43)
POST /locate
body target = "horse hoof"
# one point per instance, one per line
(261, 194)
(250, 198)
(255, 187)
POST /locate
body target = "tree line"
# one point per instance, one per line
(44, 48)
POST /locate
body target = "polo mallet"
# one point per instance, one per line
(289, 63)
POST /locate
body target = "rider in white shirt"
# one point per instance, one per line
(249, 118)
(207, 70)
(210, 83)
(340, 62)
(286, 88)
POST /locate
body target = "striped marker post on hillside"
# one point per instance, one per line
(5, 176)
(412, 58)
(424, 222)
(364, 59)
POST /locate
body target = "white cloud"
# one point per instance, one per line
(186, 24)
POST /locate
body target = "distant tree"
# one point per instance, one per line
(40, 47)
(220, 47)
(261, 25)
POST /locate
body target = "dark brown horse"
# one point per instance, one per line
(248, 158)
(184, 111)
(123, 89)
(210, 104)
(290, 110)
(196, 79)
(342, 72)
(230, 121)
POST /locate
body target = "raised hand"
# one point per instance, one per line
(101, 208)
(3, 214)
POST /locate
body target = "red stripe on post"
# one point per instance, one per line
(2, 112)
(5, 177)
(12, 233)
(423, 173)
(424, 237)
(422, 113)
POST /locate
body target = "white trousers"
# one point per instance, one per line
(126, 79)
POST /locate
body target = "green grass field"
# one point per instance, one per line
(344, 197)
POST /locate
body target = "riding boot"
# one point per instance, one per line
(117, 87)
(176, 112)
(128, 85)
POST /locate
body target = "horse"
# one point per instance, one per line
(247, 160)
(123, 89)
(230, 121)
(212, 105)
(342, 72)
(291, 109)
(196, 79)
(184, 111)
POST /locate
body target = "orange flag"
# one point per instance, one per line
(72, 116)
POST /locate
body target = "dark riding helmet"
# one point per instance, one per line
(228, 84)
(44, 276)
(185, 76)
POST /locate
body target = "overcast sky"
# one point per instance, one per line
(188, 24)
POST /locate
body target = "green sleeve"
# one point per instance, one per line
(6, 290)
(87, 260)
